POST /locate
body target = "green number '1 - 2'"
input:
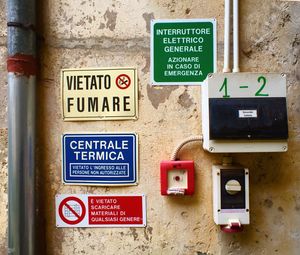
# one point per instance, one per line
(258, 93)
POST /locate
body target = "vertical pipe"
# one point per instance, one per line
(236, 67)
(226, 68)
(21, 67)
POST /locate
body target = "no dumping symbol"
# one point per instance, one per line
(72, 210)
(123, 81)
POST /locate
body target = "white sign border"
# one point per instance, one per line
(84, 223)
(100, 118)
(89, 183)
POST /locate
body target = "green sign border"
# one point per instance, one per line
(153, 22)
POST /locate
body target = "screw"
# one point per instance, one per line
(219, 210)
(284, 148)
(211, 149)
(210, 75)
(247, 210)
(218, 173)
(247, 173)
(283, 74)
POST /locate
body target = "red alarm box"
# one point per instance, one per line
(177, 177)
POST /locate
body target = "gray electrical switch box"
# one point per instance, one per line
(244, 112)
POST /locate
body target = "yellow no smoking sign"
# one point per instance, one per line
(99, 94)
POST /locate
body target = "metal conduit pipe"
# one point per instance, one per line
(236, 67)
(226, 68)
(21, 67)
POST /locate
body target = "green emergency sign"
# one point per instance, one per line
(183, 52)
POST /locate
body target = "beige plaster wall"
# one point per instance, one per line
(75, 34)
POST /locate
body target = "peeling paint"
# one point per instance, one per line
(134, 234)
(158, 95)
(185, 100)
(111, 19)
(148, 233)
(143, 247)
(277, 21)
(188, 11)
(146, 68)
(184, 214)
(102, 26)
(280, 209)
(297, 202)
(148, 17)
(268, 203)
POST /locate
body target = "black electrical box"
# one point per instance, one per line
(248, 118)
(235, 201)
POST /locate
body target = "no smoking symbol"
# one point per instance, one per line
(123, 81)
(72, 210)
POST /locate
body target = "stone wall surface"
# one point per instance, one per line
(110, 33)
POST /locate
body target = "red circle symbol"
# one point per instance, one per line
(70, 212)
(123, 81)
